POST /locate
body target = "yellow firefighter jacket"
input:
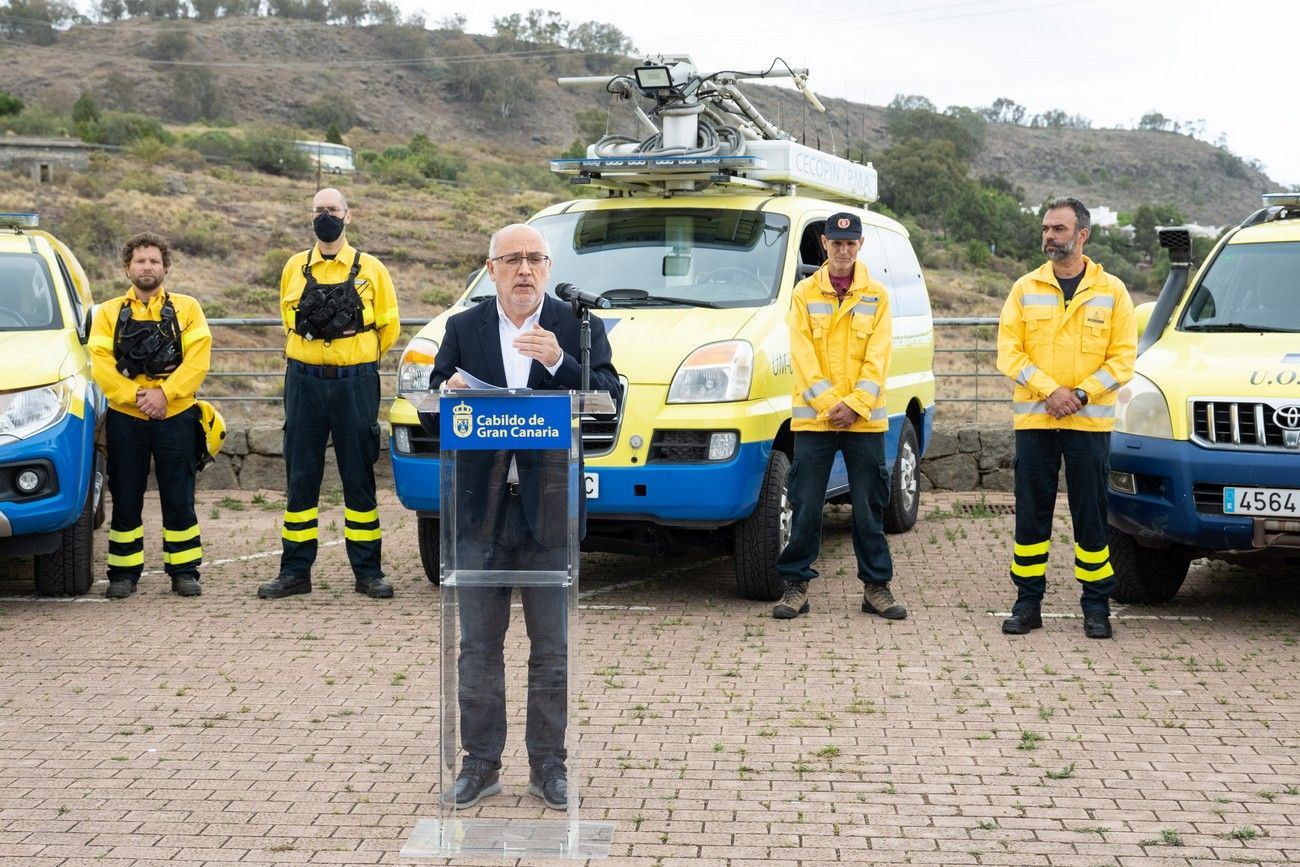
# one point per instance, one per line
(840, 351)
(378, 301)
(1044, 344)
(181, 384)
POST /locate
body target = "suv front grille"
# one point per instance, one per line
(1231, 423)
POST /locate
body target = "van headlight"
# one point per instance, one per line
(1141, 409)
(24, 413)
(416, 366)
(714, 373)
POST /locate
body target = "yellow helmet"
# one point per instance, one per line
(214, 432)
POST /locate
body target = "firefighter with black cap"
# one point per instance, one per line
(340, 314)
(841, 339)
(1067, 338)
(150, 350)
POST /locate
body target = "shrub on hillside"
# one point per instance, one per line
(35, 120)
(214, 143)
(195, 95)
(272, 151)
(9, 104)
(91, 230)
(169, 43)
(329, 108)
(123, 128)
(200, 234)
(403, 41)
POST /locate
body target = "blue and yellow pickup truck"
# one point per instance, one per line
(51, 471)
(700, 286)
(1205, 456)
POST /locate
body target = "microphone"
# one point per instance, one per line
(574, 295)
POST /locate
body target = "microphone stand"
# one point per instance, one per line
(583, 312)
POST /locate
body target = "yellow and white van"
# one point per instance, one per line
(1205, 456)
(700, 283)
(51, 474)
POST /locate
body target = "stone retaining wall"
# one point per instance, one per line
(253, 459)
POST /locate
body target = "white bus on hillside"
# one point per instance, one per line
(333, 158)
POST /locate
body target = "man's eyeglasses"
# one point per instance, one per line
(338, 212)
(514, 260)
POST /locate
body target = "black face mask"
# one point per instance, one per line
(328, 227)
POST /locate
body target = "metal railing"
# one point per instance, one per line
(264, 362)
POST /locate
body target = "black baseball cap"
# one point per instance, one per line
(843, 227)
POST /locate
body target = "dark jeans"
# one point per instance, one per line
(864, 457)
(314, 410)
(484, 619)
(1039, 454)
(172, 445)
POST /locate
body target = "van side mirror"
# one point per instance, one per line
(472, 276)
(83, 329)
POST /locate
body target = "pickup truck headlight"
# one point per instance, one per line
(24, 413)
(1141, 409)
(714, 373)
(416, 366)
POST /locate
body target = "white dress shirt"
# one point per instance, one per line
(517, 364)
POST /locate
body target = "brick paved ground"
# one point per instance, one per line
(225, 729)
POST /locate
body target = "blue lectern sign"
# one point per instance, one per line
(540, 421)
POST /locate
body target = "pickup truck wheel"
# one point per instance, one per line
(1145, 574)
(905, 483)
(760, 537)
(428, 531)
(67, 571)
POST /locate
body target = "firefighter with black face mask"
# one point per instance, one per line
(150, 350)
(340, 315)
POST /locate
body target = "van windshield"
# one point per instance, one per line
(1248, 287)
(650, 257)
(27, 301)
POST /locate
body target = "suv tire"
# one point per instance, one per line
(68, 571)
(759, 538)
(1145, 574)
(904, 483)
(428, 533)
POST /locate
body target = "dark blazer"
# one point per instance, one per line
(473, 343)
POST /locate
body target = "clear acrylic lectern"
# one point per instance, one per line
(509, 519)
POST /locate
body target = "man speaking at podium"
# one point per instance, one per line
(523, 340)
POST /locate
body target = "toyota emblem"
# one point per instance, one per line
(842, 222)
(1287, 417)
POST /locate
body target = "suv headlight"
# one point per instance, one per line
(24, 413)
(416, 366)
(714, 373)
(1141, 409)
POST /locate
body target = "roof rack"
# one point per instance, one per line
(1277, 206)
(705, 135)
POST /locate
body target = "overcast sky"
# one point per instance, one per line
(1109, 60)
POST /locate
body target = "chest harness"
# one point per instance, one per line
(145, 346)
(328, 311)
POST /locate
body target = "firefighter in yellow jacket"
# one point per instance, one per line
(150, 349)
(340, 317)
(1068, 339)
(841, 337)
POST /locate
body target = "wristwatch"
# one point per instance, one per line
(1081, 395)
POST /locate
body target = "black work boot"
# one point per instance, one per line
(375, 587)
(1022, 621)
(1096, 624)
(186, 584)
(119, 588)
(284, 585)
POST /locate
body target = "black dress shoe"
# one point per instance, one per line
(551, 784)
(1097, 625)
(1020, 624)
(475, 782)
(375, 587)
(284, 585)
